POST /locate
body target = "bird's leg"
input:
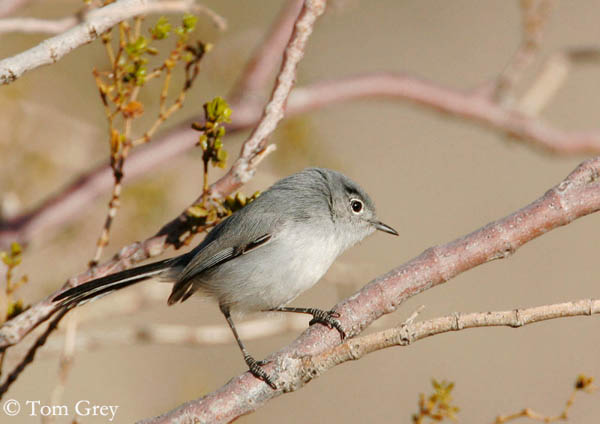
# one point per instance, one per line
(327, 318)
(254, 366)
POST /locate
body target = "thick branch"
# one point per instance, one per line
(95, 23)
(578, 195)
(477, 108)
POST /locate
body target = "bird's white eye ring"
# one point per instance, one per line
(356, 205)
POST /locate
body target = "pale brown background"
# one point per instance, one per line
(434, 178)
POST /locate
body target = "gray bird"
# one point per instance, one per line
(264, 255)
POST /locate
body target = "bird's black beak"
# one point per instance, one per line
(385, 228)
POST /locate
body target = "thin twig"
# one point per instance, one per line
(255, 147)
(553, 75)
(583, 383)
(12, 377)
(67, 356)
(406, 334)
(265, 59)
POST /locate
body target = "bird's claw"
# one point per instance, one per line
(255, 367)
(328, 318)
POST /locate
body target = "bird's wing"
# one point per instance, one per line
(250, 228)
(211, 255)
(202, 262)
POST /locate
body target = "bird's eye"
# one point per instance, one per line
(356, 205)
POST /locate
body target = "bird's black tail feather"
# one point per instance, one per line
(104, 285)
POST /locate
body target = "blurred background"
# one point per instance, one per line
(433, 177)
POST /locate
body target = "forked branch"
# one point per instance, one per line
(576, 196)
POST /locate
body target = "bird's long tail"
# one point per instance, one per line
(104, 285)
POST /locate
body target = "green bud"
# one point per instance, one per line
(189, 22)
(137, 47)
(162, 29)
(197, 211)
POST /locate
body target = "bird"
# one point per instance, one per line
(264, 255)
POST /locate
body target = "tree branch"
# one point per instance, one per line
(35, 25)
(57, 26)
(576, 196)
(267, 56)
(8, 7)
(253, 150)
(61, 207)
(172, 334)
(474, 107)
(553, 75)
(404, 335)
(535, 16)
(95, 23)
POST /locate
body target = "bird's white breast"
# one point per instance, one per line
(275, 273)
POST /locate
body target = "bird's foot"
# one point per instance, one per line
(327, 318)
(256, 369)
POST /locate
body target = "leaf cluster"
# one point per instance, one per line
(13, 258)
(438, 406)
(216, 113)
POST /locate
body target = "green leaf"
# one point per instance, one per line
(162, 29)
(189, 22)
(217, 110)
(138, 47)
